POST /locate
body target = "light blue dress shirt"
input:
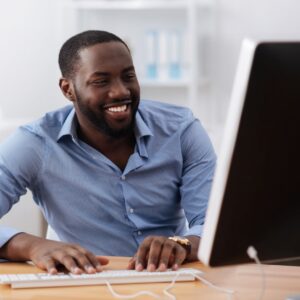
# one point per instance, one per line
(88, 200)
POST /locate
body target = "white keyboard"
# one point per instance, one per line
(111, 276)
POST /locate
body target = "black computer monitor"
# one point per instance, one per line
(255, 198)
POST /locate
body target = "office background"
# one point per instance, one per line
(209, 38)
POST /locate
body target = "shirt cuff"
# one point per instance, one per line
(6, 233)
(195, 230)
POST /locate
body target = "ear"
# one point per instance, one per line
(67, 88)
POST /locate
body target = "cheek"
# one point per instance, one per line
(137, 89)
(98, 95)
(94, 98)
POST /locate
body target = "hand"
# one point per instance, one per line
(49, 255)
(160, 253)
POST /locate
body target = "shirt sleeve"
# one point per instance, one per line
(199, 160)
(20, 162)
(6, 233)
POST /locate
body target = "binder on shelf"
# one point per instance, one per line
(151, 54)
(163, 55)
(175, 55)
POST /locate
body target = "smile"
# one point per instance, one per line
(121, 108)
(118, 107)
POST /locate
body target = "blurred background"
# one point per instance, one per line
(185, 52)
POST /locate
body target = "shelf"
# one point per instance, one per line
(180, 83)
(164, 83)
(135, 4)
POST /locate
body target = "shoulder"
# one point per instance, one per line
(162, 114)
(50, 124)
(34, 135)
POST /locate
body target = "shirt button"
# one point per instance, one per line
(123, 177)
(139, 233)
(131, 210)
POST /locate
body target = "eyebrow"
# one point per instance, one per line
(130, 68)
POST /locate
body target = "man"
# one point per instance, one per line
(112, 175)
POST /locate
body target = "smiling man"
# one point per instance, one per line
(112, 174)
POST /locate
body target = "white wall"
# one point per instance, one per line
(29, 33)
(28, 58)
(236, 19)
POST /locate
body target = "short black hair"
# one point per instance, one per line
(69, 52)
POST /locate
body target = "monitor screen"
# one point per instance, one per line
(255, 197)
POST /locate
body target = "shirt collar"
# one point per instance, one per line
(141, 129)
(70, 125)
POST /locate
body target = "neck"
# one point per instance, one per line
(118, 150)
(101, 141)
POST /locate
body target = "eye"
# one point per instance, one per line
(100, 82)
(129, 76)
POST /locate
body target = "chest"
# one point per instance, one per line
(96, 186)
(120, 155)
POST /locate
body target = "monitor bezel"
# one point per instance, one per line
(245, 61)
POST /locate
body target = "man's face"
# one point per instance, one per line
(106, 89)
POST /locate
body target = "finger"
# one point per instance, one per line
(141, 254)
(154, 253)
(87, 260)
(166, 255)
(83, 258)
(102, 260)
(48, 264)
(68, 262)
(180, 255)
(171, 260)
(97, 261)
(83, 262)
(131, 263)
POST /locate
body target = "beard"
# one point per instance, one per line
(97, 119)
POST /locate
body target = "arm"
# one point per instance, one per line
(197, 174)
(48, 255)
(21, 159)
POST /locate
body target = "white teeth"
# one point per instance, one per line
(117, 108)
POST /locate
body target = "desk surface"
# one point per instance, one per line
(281, 281)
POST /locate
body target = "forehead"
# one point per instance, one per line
(104, 57)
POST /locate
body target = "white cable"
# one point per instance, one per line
(220, 289)
(169, 287)
(206, 282)
(252, 253)
(131, 296)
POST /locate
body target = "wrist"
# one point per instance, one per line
(190, 244)
(18, 248)
(195, 242)
(183, 242)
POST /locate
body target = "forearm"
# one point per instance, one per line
(47, 254)
(18, 247)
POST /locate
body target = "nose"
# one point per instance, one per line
(118, 90)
